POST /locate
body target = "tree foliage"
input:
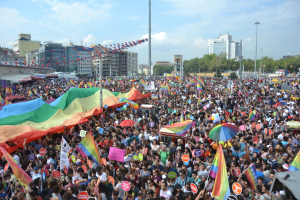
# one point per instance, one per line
(232, 75)
(160, 70)
(208, 63)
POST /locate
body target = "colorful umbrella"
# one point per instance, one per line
(281, 103)
(223, 132)
(177, 129)
(127, 122)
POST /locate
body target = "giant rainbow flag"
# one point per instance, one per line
(295, 166)
(221, 187)
(34, 119)
(177, 129)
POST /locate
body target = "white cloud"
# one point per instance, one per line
(248, 39)
(200, 42)
(90, 39)
(64, 41)
(76, 13)
(163, 39)
(106, 42)
(10, 19)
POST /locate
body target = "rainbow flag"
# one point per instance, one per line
(7, 91)
(177, 129)
(295, 166)
(80, 85)
(214, 167)
(221, 187)
(200, 81)
(30, 93)
(199, 88)
(19, 173)
(252, 115)
(199, 101)
(132, 103)
(34, 91)
(173, 91)
(89, 84)
(168, 88)
(154, 96)
(142, 83)
(193, 82)
(87, 147)
(170, 122)
(163, 88)
(251, 176)
(72, 83)
(177, 78)
(11, 91)
(47, 93)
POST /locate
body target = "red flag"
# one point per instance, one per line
(53, 50)
(217, 58)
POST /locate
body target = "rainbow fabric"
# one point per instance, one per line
(19, 173)
(11, 92)
(295, 166)
(163, 88)
(89, 84)
(177, 129)
(177, 78)
(199, 101)
(80, 85)
(72, 83)
(34, 91)
(142, 83)
(193, 82)
(170, 122)
(132, 103)
(252, 115)
(87, 147)
(214, 167)
(30, 93)
(168, 88)
(154, 96)
(251, 176)
(221, 187)
(200, 81)
(199, 88)
(7, 91)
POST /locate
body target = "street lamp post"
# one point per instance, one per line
(100, 85)
(261, 60)
(256, 23)
(149, 58)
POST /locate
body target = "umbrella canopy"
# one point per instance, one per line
(223, 132)
(177, 129)
(127, 122)
(281, 103)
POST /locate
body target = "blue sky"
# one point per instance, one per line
(178, 26)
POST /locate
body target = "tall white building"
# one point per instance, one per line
(85, 65)
(225, 44)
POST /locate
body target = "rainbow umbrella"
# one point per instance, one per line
(223, 132)
(177, 129)
(281, 103)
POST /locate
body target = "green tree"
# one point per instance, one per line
(160, 70)
(218, 74)
(233, 75)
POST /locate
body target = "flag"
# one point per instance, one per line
(30, 93)
(168, 88)
(80, 84)
(72, 83)
(19, 173)
(295, 166)
(132, 103)
(34, 91)
(142, 83)
(89, 84)
(163, 88)
(251, 176)
(252, 115)
(154, 96)
(170, 122)
(193, 82)
(2, 102)
(199, 101)
(7, 91)
(221, 187)
(87, 148)
(199, 88)
(200, 81)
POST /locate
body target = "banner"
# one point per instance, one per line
(150, 86)
(116, 154)
(64, 161)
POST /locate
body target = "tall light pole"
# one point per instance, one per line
(149, 44)
(256, 23)
(100, 85)
(261, 60)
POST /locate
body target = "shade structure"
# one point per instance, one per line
(127, 122)
(177, 129)
(281, 103)
(223, 132)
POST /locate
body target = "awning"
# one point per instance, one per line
(27, 79)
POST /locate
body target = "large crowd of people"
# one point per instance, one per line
(270, 146)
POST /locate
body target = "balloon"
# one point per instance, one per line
(215, 146)
(210, 118)
(213, 118)
(222, 143)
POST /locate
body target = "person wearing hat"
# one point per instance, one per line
(36, 174)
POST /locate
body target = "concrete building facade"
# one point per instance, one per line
(178, 60)
(163, 63)
(24, 44)
(225, 44)
(52, 55)
(132, 62)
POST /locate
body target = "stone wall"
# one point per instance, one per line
(7, 69)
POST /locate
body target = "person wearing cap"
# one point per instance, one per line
(36, 174)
